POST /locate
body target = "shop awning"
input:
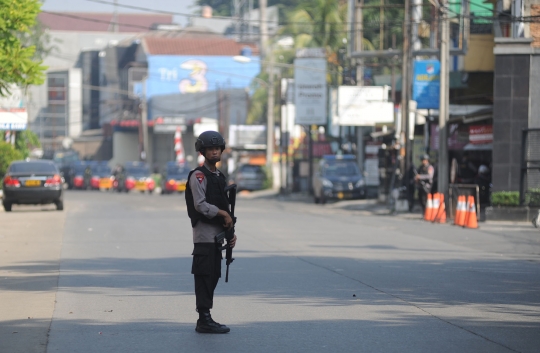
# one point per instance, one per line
(467, 113)
(481, 147)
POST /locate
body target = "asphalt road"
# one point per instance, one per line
(111, 274)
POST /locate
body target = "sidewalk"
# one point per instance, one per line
(365, 206)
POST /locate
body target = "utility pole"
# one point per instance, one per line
(115, 17)
(405, 88)
(145, 154)
(270, 117)
(263, 25)
(359, 36)
(444, 99)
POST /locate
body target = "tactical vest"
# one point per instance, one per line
(215, 195)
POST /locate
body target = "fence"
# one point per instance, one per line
(529, 190)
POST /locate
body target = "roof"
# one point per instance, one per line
(194, 46)
(101, 22)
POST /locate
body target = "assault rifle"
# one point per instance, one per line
(228, 234)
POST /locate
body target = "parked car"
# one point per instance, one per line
(248, 177)
(174, 178)
(101, 176)
(138, 177)
(64, 160)
(81, 174)
(338, 178)
(32, 183)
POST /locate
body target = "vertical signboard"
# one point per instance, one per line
(13, 115)
(310, 91)
(426, 83)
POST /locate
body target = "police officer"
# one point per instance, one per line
(424, 181)
(208, 209)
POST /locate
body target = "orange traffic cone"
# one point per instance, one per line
(429, 208)
(440, 216)
(436, 205)
(459, 220)
(471, 221)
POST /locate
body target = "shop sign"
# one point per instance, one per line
(426, 83)
(310, 91)
(364, 106)
(480, 134)
(458, 137)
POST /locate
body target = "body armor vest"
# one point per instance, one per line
(215, 195)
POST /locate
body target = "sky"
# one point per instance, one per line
(183, 6)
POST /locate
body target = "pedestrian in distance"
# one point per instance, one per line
(208, 209)
(424, 181)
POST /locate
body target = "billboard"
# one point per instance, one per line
(364, 106)
(178, 74)
(426, 83)
(310, 91)
(13, 114)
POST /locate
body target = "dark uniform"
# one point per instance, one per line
(424, 182)
(205, 196)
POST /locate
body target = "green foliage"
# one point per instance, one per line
(26, 141)
(505, 198)
(225, 7)
(268, 180)
(532, 197)
(8, 154)
(18, 65)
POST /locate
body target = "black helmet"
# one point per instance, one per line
(209, 139)
(425, 157)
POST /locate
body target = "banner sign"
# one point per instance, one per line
(481, 134)
(310, 91)
(13, 114)
(426, 83)
(364, 106)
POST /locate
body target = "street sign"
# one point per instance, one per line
(168, 129)
(310, 91)
(426, 83)
(171, 120)
(364, 106)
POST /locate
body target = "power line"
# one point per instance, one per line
(373, 24)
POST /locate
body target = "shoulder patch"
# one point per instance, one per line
(200, 177)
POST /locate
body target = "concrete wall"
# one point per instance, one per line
(125, 147)
(480, 54)
(534, 108)
(510, 117)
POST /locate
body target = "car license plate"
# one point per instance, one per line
(105, 183)
(32, 183)
(181, 186)
(140, 185)
(340, 195)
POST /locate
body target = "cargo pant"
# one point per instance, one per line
(206, 269)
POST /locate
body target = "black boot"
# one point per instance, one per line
(205, 324)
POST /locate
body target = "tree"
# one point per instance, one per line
(18, 65)
(26, 141)
(8, 154)
(315, 23)
(225, 7)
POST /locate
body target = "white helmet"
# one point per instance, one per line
(483, 169)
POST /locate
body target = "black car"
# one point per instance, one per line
(32, 183)
(339, 177)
